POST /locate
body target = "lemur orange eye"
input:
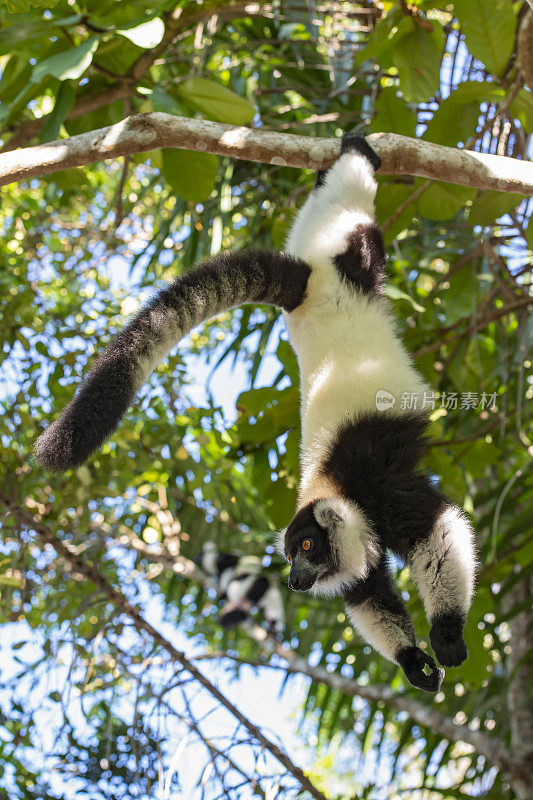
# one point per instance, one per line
(306, 544)
(289, 559)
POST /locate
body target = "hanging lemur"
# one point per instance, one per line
(242, 586)
(361, 493)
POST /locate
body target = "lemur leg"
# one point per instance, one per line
(443, 565)
(377, 612)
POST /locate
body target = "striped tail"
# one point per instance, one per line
(115, 379)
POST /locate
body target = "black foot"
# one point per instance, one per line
(356, 142)
(232, 618)
(446, 636)
(413, 660)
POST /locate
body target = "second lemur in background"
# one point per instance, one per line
(242, 587)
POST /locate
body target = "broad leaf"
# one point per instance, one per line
(457, 117)
(444, 200)
(215, 101)
(69, 65)
(418, 57)
(147, 34)
(191, 175)
(64, 102)
(489, 30)
(393, 114)
(490, 206)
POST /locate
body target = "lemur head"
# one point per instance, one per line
(207, 558)
(329, 545)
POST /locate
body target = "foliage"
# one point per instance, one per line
(80, 247)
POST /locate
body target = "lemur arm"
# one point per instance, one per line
(443, 566)
(377, 612)
(112, 384)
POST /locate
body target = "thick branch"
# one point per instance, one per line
(121, 603)
(519, 686)
(400, 155)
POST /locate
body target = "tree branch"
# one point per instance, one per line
(519, 685)
(418, 711)
(421, 713)
(176, 22)
(400, 155)
(91, 573)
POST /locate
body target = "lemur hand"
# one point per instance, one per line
(446, 636)
(356, 142)
(413, 660)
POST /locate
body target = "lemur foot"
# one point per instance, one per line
(232, 617)
(446, 636)
(413, 660)
(355, 142)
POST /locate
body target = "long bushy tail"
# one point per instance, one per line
(112, 384)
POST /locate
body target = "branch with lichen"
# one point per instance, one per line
(400, 155)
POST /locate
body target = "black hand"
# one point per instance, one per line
(446, 636)
(356, 142)
(413, 660)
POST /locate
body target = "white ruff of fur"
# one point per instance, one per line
(352, 538)
(345, 341)
(379, 629)
(209, 558)
(444, 565)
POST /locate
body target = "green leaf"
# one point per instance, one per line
(444, 200)
(191, 175)
(490, 206)
(489, 30)
(384, 38)
(15, 73)
(64, 102)
(69, 65)
(389, 197)
(18, 35)
(159, 100)
(522, 108)
(393, 114)
(215, 101)
(418, 57)
(456, 118)
(147, 34)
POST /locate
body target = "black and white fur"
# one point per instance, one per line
(242, 587)
(361, 493)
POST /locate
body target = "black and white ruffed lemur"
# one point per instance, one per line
(361, 493)
(243, 586)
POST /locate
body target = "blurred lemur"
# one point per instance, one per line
(242, 586)
(361, 493)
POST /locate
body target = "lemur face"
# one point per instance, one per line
(329, 546)
(308, 549)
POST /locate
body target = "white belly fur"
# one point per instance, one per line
(345, 341)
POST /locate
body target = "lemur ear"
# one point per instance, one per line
(334, 513)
